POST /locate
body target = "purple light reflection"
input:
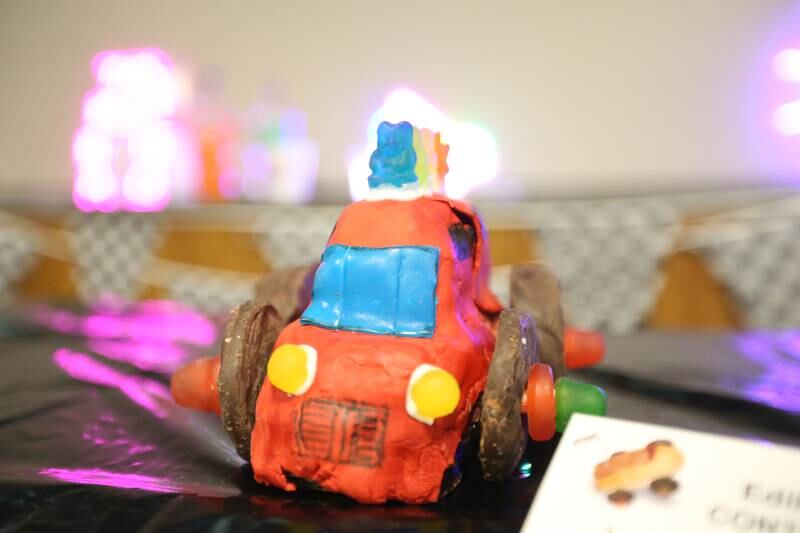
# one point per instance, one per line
(778, 354)
(153, 322)
(107, 434)
(96, 476)
(146, 321)
(105, 478)
(144, 392)
(151, 356)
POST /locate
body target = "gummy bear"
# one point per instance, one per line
(393, 161)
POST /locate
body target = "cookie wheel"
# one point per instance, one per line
(247, 344)
(620, 497)
(535, 290)
(288, 290)
(503, 437)
(664, 486)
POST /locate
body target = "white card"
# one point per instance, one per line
(706, 482)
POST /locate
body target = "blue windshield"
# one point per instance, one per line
(389, 291)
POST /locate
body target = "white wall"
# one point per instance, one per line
(584, 97)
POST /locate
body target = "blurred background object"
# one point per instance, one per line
(180, 150)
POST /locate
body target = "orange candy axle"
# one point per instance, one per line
(540, 403)
(550, 404)
(195, 385)
(583, 348)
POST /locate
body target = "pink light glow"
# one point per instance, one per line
(787, 65)
(473, 158)
(787, 118)
(125, 153)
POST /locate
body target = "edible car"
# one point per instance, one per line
(400, 355)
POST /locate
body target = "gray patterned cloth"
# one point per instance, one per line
(607, 256)
(606, 253)
(18, 246)
(111, 252)
(215, 292)
(756, 254)
(293, 236)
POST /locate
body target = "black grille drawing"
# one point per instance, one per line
(342, 432)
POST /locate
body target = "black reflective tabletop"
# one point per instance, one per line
(90, 439)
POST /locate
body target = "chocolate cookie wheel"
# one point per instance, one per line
(247, 345)
(503, 436)
(288, 290)
(535, 290)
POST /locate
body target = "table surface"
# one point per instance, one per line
(92, 442)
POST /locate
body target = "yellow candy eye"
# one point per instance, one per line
(292, 368)
(432, 393)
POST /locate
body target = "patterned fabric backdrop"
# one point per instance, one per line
(294, 236)
(607, 256)
(111, 252)
(756, 253)
(17, 246)
(606, 253)
(211, 291)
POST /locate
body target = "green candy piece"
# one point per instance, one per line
(576, 397)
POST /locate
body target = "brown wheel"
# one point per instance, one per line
(503, 436)
(620, 497)
(288, 290)
(535, 290)
(246, 347)
(664, 486)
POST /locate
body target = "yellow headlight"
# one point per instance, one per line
(292, 368)
(432, 393)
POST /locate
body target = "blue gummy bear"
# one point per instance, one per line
(393, 161)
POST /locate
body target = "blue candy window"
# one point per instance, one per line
(388, 291)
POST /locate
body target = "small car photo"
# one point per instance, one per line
(653, 466)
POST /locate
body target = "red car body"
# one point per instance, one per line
(350, 432)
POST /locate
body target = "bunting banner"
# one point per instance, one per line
(607, 256)
(755, 252)
(294, 236)
(211, 291)
(18, 246)
(111, 252)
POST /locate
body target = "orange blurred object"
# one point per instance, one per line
(441, 157)
(195, 385)
(583, 348)
(211, 140)
(540, 403)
